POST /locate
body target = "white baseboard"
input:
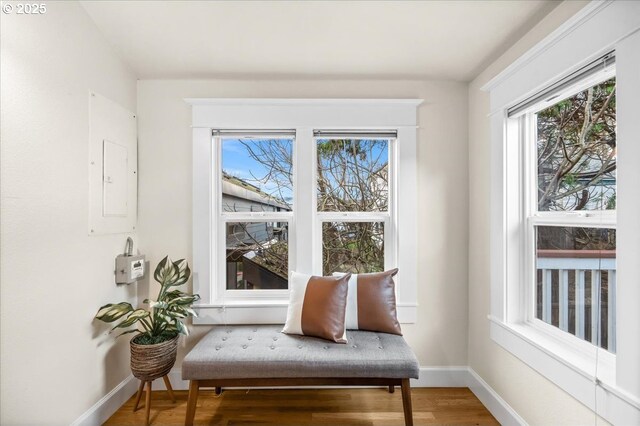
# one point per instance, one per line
(442, 377)
(108, 404)
(497, 406)
(447, 377)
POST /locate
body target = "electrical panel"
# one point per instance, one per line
(113, 161)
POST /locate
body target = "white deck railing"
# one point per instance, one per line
(586, 266)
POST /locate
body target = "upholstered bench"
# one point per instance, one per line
(262, 356)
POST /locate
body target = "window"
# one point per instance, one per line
(564, 228)
(256, 181)
(561, 193)
(571, 216)
(354, 201)
(305, 185)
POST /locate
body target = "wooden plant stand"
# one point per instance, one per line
(147, 405)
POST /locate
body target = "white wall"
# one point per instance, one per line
(535, 398)
(439, 337)
(56, 362)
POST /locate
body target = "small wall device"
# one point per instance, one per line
(129, 268)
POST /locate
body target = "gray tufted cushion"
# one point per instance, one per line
(262, 351)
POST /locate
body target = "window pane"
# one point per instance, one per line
(256, 175)
(576, 150)
(353, 175)
(356, 247)
(257, 255)
(576, 281)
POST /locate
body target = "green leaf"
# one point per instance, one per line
(133, 317)
(174, 274)
(183, 273)
(157, 275)
(184, 300)
(111, 312)
(165, 316)
(169, 296)
(177, 314)
(171, 329)
(158, 305)
(182, 329)
(178, 263)
(168, 273)
(188, 312)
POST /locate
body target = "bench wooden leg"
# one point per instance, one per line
(406, 402)
(392, 389)
(191, 404)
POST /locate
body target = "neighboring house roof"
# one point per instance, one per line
(238, 188)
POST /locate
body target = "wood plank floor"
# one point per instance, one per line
(373, 406)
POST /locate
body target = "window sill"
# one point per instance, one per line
(267, 312)
(569, 367)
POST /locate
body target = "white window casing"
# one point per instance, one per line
(302, 116)
(608, 384)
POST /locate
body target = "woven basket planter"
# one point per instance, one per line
(150, 362)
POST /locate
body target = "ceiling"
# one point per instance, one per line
(451, 40)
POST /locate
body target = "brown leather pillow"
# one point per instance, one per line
(317, 306)
(371, 302)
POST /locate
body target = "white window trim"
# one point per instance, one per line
(609, 385)
(304, 116)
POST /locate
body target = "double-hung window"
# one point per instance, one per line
(564, 203)
(568, 134)
(560, 192)
(314, 186)
(355, 200)
(254, 187)
(558, 250)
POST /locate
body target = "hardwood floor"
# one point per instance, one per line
(431, 406)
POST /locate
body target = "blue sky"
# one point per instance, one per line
(237, 162)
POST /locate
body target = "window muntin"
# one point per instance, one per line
(356, 247)
(352, 174)
(571, 213)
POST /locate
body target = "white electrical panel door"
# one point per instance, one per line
(114, 179)
(113, 161)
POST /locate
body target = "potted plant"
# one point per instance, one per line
(154, 348)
